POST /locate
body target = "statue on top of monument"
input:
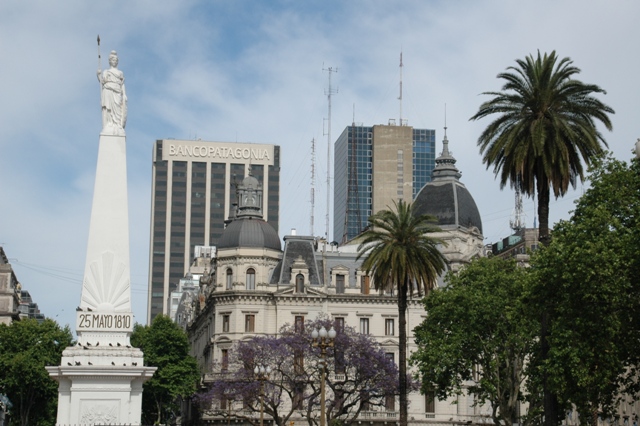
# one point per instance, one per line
(113, 98)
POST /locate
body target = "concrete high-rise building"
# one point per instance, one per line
(375, 166)
(192, 198)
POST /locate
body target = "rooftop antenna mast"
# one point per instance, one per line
(329, 92)
(400, 97)
(313, 182)
(517, 222)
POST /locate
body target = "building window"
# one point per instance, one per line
(364, 284)
(429, 402)
(299, 283)
(229, 279)
(390, 402)
(298, 361)
(338, 352)
(298, 395)
(225, 359)
(251, 279)
(364, 400)
(339, 399)
(339, 283)
(224, 403)
(389, 329)
(225, 323)
(249, 323)
(390, 356)
(299, 324)
(364, 325)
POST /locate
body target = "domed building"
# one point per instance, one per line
(234, 293)
(255, 286)
(249, 247)
(450, 202)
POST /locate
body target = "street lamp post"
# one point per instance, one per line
(262, 374)
(323, 339)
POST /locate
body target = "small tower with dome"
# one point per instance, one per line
(450, 202)
(249, 247)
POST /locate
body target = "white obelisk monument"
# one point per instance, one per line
(100, 379)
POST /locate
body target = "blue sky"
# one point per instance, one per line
(251, 71)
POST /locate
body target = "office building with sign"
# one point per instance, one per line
(192, 197)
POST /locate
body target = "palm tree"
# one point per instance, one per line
(400, 256)
(544, 130)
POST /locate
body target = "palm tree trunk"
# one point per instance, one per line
(402, 362)
(543, 210)
(549, 399)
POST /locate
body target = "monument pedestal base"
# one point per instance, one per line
(100, 385)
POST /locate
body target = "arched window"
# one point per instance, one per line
(299, 283)
(229, 279)
(251, 279)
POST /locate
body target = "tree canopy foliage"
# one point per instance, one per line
(166, 346)
(545, 128)
(588, 280)
(477, 337)
(26, 348)
(585, 283)
(363, 376)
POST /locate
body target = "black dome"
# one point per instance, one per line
(450, 202)
(445, 197)
(249, 232)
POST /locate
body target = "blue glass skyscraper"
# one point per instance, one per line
(375, 166)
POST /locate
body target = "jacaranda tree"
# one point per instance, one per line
(363, 376)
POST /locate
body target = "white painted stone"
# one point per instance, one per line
(100, 379)
(113, 97)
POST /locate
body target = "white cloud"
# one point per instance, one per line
(252, 71)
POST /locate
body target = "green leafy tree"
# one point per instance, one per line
(588, 280)
(401, 256)
(166, 346)
(545, 128)
(477, 337)
(26, 347)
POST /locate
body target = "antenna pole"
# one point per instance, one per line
(99, 58)
(313, 183)
(445, 119)
(329, 92)
(400, 97)
(518, 223)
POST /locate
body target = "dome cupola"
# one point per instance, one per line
(248, 228)
(445, 197)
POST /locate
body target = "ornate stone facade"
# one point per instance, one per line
(253, 290)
